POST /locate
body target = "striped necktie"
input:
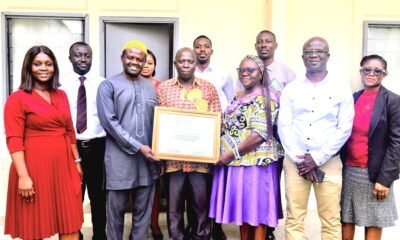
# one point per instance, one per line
(81, 116)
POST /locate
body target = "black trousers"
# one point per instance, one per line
(92, 154)
(194, 188)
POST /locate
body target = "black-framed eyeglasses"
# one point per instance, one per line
(249, 70)
(376, 71)
(316, 52)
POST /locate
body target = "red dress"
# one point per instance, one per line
(44, 132)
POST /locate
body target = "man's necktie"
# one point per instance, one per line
(81, 116)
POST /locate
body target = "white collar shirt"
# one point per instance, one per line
(221, 80)
(315, 118)
(70, 84)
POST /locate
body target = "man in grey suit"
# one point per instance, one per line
(125, 104)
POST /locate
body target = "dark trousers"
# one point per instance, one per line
(92, 154)
(194, 188)
(270, 230)
(117, 202)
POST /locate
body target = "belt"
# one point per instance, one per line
(90, 142)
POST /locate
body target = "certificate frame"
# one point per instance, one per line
(182, 132)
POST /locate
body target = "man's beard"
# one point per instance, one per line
(186, 78)
(202, 61)
(265, 57)
(132, 75)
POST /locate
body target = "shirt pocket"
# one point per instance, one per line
(151, 102)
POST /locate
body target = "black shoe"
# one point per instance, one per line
(186, 233)
(217, 233)
(157, 236)
(270, 236)
(99, 237)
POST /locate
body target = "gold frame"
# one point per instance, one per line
(215, 116)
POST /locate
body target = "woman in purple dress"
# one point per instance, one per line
(246, 190)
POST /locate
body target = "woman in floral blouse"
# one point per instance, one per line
(246, 190)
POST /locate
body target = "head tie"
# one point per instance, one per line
(258, 61)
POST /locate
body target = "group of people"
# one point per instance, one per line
(97, 134)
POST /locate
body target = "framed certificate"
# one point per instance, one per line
(186, 135)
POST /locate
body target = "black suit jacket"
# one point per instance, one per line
(383, 138)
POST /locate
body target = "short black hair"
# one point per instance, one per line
(374, 56)
(268, 32)
(78, 44)
(202, 36)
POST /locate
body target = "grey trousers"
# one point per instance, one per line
(116, 204)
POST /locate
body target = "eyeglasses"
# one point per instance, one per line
(249, 70)
(375, 71)
(316, 52)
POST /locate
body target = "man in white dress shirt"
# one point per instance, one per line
(315, 120)
(91, 140)
(221, 79)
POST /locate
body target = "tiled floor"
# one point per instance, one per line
(232, 231)
(312, 224)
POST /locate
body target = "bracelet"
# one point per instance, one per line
(236, 153)
(78, 160)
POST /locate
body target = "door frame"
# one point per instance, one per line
(150, 20)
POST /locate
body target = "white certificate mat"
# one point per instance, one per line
(186, 135)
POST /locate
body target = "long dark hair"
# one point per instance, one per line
(266, 93)
(26, 72)
(267, 99)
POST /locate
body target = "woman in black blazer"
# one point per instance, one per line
(371, 155)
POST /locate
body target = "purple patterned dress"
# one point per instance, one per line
(247, 190)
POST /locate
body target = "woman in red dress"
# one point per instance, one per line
(44, 194)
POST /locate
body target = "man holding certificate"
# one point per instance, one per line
(125, 105)
(185, 180)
